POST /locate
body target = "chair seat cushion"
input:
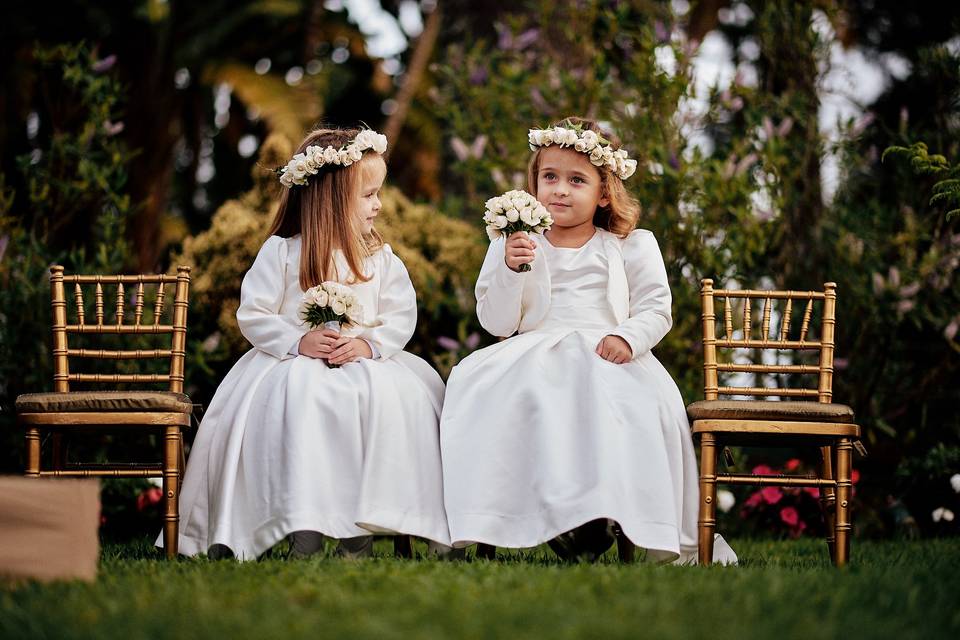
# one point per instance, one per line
(770, 410)
(86, 401)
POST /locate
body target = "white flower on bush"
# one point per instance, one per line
(955, 482)
(725, 500)
(942, 513)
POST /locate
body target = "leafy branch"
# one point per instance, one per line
(947, 189)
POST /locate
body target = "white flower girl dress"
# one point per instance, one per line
(540, 435)
(289, 444)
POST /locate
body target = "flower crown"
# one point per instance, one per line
(306, 164)
(596, 147)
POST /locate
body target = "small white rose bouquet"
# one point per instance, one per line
(330, 305)
(516, 211)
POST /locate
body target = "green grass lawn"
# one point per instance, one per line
(782, 589)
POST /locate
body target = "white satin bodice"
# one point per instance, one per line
(578, 286)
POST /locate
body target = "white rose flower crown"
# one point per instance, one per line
(597, 148)
(306, 164)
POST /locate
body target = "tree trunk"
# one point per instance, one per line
(418, 66)
(788, 75)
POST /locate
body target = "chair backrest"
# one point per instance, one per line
(748, 342)
(176, 327)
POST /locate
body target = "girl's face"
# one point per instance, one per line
(373, 170)
(569, 187)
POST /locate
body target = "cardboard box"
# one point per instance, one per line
(49, 528)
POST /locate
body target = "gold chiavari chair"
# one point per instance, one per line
(64, 412)
(806, 417)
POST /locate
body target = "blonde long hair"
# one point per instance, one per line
(620, 215)
(321, 212)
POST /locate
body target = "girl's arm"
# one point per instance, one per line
(261, 295)
(499, 292)
(397, 313)
(650, 318)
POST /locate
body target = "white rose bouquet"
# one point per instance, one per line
(516, 211)
(330, 305)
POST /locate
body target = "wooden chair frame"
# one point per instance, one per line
(171, 423)
(835, 440)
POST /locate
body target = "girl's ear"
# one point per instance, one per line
(604, 197)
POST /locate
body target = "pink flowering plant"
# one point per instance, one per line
(786, 511)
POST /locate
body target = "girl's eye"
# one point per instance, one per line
(549, 175)
(578, 180)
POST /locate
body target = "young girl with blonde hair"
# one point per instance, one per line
(316, 432)
(571, 430)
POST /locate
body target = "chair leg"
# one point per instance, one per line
(486, 551)
(171, 490)
(828, 498)
(33, 453)
(403, 546)
(844, 460)
(707, 521)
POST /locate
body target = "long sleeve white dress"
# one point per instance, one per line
(539, 434)
(289, 444)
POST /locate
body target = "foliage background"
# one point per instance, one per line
(138, 138)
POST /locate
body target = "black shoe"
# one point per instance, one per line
(587, 542)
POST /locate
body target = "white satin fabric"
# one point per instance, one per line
(290, 444)
(539, 434)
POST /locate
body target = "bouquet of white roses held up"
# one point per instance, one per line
(516, 211)
(330, 305)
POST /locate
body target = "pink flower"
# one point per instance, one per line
(813, 491)
(792, 464)
(789, 516)
(854, 476)
(149, 497)
(771, 494)
(762, 470)
(754, 500)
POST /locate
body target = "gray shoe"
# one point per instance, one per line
(355, 548)
(304, 544)
(444, 552)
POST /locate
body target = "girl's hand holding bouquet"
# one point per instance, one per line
(329, 307)
(515, 214)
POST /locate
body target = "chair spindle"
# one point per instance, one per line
(727, 319)
(806, 320)
(78, 296)
(119, 303)
(138, 305)
(785, 322)
(747, 328)
(158, 306)
(99, 303)
(767, 304)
